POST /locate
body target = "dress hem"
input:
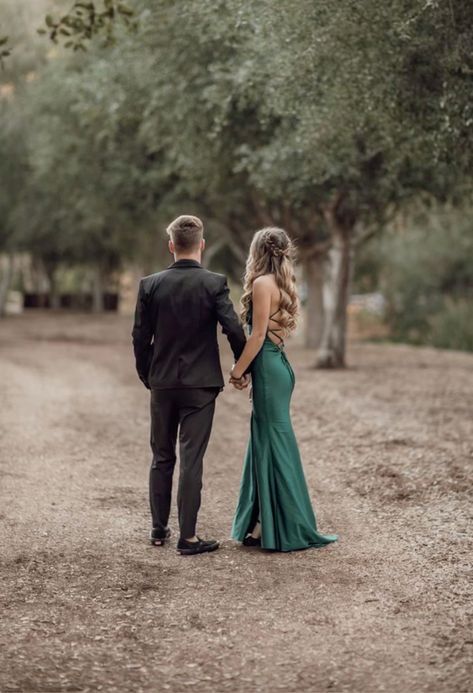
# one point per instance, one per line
(292, 548)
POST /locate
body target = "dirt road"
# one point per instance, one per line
(88, 605)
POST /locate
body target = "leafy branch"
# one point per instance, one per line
(86, 20)
(4, 50)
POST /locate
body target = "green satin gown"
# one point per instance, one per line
(273, 487)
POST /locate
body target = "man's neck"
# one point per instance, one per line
(197, 257)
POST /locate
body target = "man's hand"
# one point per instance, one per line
(240, 383)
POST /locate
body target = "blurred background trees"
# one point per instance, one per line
(348, 124)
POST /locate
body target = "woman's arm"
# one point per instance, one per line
(262, 290)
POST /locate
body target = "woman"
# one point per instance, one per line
(274, 509)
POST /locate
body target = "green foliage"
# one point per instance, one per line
(88, 168)
(452, 326)
(13, 177)
(5, 50)
(87, 20)
(245, 113)
(426, 275)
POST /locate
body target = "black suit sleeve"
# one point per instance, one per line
(228, 319)
(142, 336)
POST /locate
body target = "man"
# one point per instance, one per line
(177, 358)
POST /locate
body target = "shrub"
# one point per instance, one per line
(452, 326)
(425, 272)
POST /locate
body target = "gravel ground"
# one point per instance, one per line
(88, 605)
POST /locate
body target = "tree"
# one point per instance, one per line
(322, 119)
(13, 174)
(88, 186)
(427, 277)
(360, 98)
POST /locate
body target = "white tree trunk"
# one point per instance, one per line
(336, 296)
(6, 277)
(314, 275)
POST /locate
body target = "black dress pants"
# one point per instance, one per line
(189, 413)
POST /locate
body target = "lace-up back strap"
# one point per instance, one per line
(274, 331)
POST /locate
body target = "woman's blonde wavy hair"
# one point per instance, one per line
(272, 252)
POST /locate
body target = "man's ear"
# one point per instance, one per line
(172, 250)
(202, 244)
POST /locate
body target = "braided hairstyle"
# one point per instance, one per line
(272, 252)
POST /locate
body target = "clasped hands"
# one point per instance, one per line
(239, 383)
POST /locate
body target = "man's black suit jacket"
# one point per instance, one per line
(175, 329)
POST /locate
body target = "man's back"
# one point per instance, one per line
(175, 330)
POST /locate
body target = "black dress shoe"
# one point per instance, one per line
(251, 541)
(157, 538)
(190, 548)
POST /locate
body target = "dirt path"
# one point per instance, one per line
(87, 605)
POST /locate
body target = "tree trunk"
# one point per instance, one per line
(314, 270)
(98, 303)
(54, 297)
(6, 277)
(336, 295)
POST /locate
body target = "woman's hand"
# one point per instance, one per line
(240, 383)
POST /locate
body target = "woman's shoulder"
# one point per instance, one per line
(265, 285)
(264, 281)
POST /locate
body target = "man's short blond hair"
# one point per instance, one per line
(186, 232)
